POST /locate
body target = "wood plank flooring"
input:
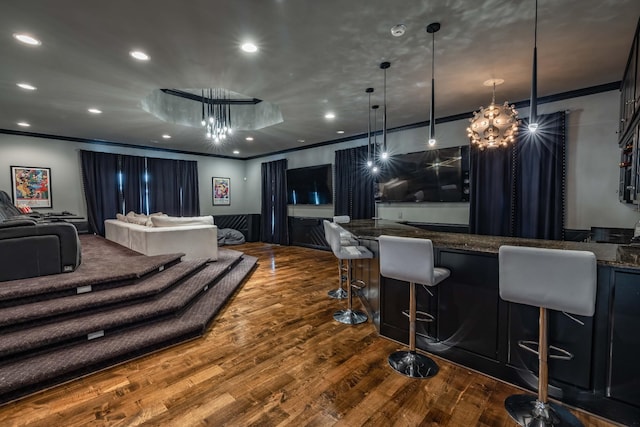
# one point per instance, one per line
(274, 357)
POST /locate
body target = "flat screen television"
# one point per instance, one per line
(310, 185)
(440, 175)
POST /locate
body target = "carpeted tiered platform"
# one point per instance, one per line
(118, 305)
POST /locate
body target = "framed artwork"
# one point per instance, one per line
(221, 191)
(31, 186)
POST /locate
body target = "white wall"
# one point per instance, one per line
(63, 157)
(592, 167)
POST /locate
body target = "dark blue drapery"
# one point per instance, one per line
(519, 191)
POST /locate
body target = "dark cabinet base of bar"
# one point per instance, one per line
(475, 328)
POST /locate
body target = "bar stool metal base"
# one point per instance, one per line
(350, 317)
(528, 411)
(412, 364)
(338, 293)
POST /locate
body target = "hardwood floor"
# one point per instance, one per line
(273, 357)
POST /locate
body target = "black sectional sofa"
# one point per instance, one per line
(31, 246)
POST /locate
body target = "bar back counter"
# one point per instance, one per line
(476, 329)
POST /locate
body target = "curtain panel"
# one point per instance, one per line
(519, 191)
(101, 189)
(354, 186)
(274, 214)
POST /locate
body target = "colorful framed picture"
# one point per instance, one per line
(221, 191)
(31, 187)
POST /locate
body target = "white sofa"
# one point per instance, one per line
(195, 241)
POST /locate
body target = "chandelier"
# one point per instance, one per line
(216, 114)
(494, 126)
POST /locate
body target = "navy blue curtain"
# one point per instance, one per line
(188, 173)
(133, 184)
(274, 214)
(173, 187)
(101, 192)
(519, 191)
(540, 180)
(163, 186)
(491, 188)
(354, 185)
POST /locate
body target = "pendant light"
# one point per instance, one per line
(533, 115)
(369, 161)
(494, 126)
(384, 153)
(432, 29)
(375, 168)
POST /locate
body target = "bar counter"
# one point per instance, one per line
(606, 253)
(475, 328)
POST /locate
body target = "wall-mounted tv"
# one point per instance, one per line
(310, 186)
(440, 175)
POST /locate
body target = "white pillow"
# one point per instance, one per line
(121, 217)
(173, 221)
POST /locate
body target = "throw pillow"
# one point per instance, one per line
(173, 221)
(138, 219)
(121, 217)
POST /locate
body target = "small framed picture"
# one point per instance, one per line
(31, 187)
(221, 191)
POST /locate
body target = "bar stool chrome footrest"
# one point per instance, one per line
(338, 293)
(350, 317)
(412, 364)
(528, 411)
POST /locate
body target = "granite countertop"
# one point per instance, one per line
(606, 253)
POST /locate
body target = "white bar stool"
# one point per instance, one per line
(555, 279)
(411, 260)
(348, 253)
(339, 293)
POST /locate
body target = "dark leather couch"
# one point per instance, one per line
(32, 247)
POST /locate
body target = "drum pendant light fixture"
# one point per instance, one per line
(432, 29)
(369, 91)
(384, 153)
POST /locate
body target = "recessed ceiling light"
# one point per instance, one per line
(398, 30)
(24, 124)
(26, 86)
(330, 116)
(301, 140)
(249, 138)
(140, 55)
(340, 131)
(166, 136)
(249, 47)
(27, 39)
(236, 152)
(94, 111)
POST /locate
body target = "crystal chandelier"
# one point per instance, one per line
(494, 126)
(216, 114)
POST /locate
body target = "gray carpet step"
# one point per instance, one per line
(31, 374)
(12, 318)
(90, 325)
(99, 256)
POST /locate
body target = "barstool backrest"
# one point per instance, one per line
(563, 280)
(327, 233)
(408, 259)
(334, 238)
